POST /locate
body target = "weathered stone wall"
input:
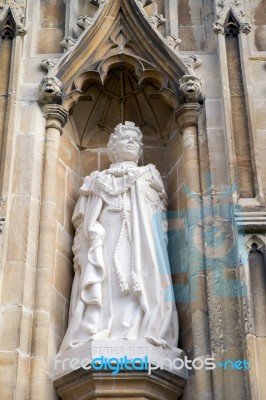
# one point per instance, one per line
(258, 16)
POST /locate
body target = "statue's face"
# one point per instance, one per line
(128, 146)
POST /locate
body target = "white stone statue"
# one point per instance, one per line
(122, 286)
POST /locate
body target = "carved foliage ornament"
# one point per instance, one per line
(47, 65)
(67, 42)
(223, 10)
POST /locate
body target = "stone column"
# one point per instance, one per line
(56, 117)
(187, 118)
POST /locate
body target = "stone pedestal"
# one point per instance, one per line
(158, 373)
(88, 385)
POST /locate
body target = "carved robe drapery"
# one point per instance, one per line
(122, 286)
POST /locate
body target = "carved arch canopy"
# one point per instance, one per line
(121, 68)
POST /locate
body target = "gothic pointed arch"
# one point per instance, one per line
(120, 66)
(11, 23)
(230, 11)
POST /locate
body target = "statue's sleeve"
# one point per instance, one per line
(88, 230)
(80, 209)
(85, 199)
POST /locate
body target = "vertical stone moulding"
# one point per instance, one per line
(56, 117)
(240, 123)
(257, 271)
(7, 34)
(187, 118)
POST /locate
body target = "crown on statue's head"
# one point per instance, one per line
(129, 123)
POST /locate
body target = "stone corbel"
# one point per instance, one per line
(56, 117)
(223, 10)
(187, 116)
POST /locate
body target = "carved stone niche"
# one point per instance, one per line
(125, 95)
(119, 70)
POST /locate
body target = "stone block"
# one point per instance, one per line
(104, 161)
(29, 286)
(44, 280)
(218, 163)
(17, 237)
(211, 71)
(259, 90)
(88, 162)
(23, 372)
(72, 184)
(64, 242)
(57, 312)
(8, 366)
(38, 367)
(173, 203)
(212, 90)
(60, 193)
(40, 335)
(257, 69)
(186, 342)
(13, 282)
(213, 113)
(33, 232)
(63, 275)
(174, 151)
(23, 165)
(193, 38)
(184, 317)
(189, 391)
(259, 109)
(172, 182)
(70, 205)
(49, 41)
(182, 201)
(68, 152)
(155, 156)
(199, 324)
(25, 331)
(10, 330)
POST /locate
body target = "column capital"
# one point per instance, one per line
(187, 115)
(56, 116)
